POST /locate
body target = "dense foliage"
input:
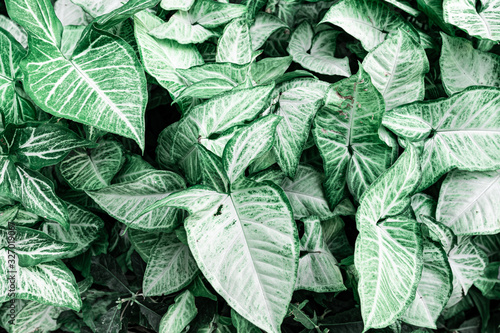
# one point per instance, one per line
(236, 166)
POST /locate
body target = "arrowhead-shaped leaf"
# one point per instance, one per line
(234, 45)
(263, 27)
(459, 132)
(397, 68)
(179, 314)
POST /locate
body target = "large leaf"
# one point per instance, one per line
(44, 145)
(176, 144)
(368, 20)
(261, 287)
(316, 52)
(318, 268)
(49, 283)
(247, 145)
(433, 290)
(162, 57)
(33, 246)
(234, 45)
(463, 66)
(15, 30)
(31, 315)
(468, 202)
(397, 68)
(92, 169)
(263, 27)
(126, 201)
(462, 131)
(479, 18)
(84, 228)
(101, 85)
(179, 314)
(346, 133)
(298, 102)
(170, 268)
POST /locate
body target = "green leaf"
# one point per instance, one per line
(92, 169)
(32, 246)
(162, 57)
(180, 28)
(346, 133)
(397, 68)
(176, 4)
(383, 251)
(49, 283)
(263, 27)
(143, 242)
(318, 268)
(247, 145)
(467, 262)
(232, 73)
(99, 7)
(84, 228)
(213, 173)
(434, 10)
(179, 314)
(171, 267)
(459, 132)
(110, 321)
(215, 116)
(463, 66)
(15, 30)
(270, 69)
(71, 14)
(134, 167)
(85, 78)
(44, 145)
(211, 14)
(316, 52)
(126, 201)
(298, 102)
(122, 13)
(240, 221)
(18, 216)
(405, 6)
(304, 191)
(439, 233)
(488, 283)
(423, 204)
(31, 316)
(234, 45)
(478, 20)
(242, 325)
(433, 290)
(468, 202)
(367, 20)
(205, 89)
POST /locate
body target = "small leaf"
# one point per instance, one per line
(180, 314)
(263, 27)
(234, 45)
(439, 233)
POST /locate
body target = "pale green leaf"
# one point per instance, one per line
(211, 14)
(433, 290)
(70, 38)
(463, 66)
(367, 20)
(15, 30)
(84, 228)
(122, 13)
(242, 325)
(270, 69)
(240, 221)
(434, 10)
(143, 242)
(18, 216)
(170, 268)
(205, 89)
(318, 268)
(297, 103)
(33, 246)
(440, 233)
(316, 52)
(49, 283)
(423, 204)
(126, 201)
(71, 14)
(478, 18)
(247, 145)
(397, 68)
(263, 27)
(176, 4)
(213, 173)
(405, 6)
(179, 314)
(232, 73)
(180, 28)
(162, 57)
(133, 168)
(92, 169)
(234, 45)
(462, 132)
(346, 133)
(44, 145)
(468, 202)
(31, 316)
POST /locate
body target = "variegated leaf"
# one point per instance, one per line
(31, 315)
(346, 133)
(176, 4)
(99, 7)
(462, 131)
(433, 290)
(15, 30)
(434, 10)
(133, 167)
(179, 314)
(367, 20)
(423, 204)
(143, 242)
(397, 68)
(240, 221)
(211, 14)
(70, 13)
(80, 89)
(213, 173)
(171, 267)
(205, 89)
(126, 201)
(478, 18)
(469, 204)
(92, 169)
(463, 66)
(263, 27)
(247, 145)
(234, 45)
(405, 6)
(18, 216)
(316, 52)
(318, 268)
(120, 14)
(440, 233)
